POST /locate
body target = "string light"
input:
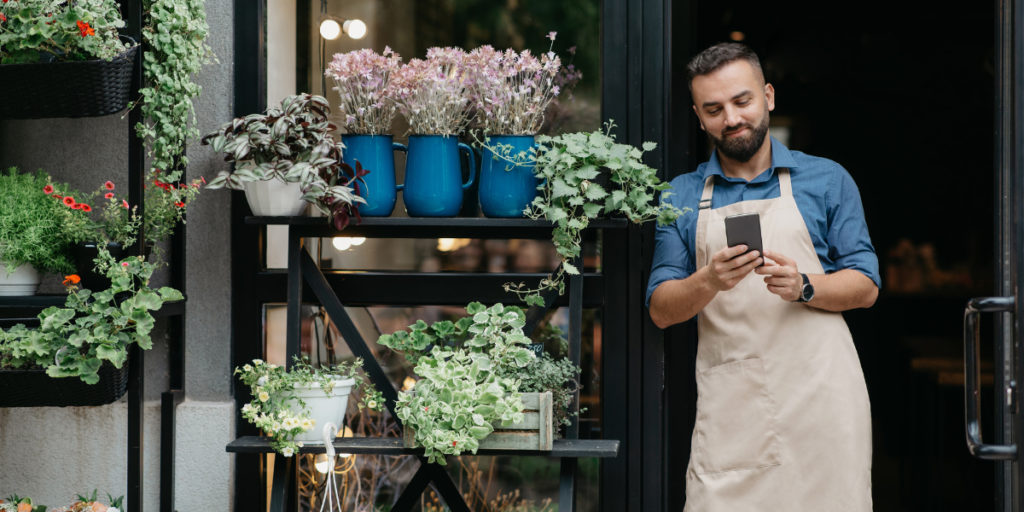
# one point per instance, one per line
(331, 27)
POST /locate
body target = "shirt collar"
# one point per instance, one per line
(781, 157)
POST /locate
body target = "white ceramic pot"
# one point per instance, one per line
(24, 281)
(274, 198)
(324, 409)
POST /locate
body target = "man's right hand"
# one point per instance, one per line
(729, 266)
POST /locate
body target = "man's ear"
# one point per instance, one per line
(769, 96)
(698, 118)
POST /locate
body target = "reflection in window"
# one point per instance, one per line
(505, 482)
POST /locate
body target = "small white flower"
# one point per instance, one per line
(258, 361)
(262, 381)
(264, 396)
(247, 368)
(288, 452)
(307, 425)
(372, 404)
(299, 444)
(276, 427)
(247, 408)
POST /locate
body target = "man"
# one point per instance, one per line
(783, 418)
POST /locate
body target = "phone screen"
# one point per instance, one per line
(745, 229)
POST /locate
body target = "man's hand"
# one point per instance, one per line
(782, 277)
(728, 267)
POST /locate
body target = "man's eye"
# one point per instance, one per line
(743, 103)
(715, 111)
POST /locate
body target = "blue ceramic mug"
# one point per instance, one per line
(433, 176)
(376, 154)
(506, 189)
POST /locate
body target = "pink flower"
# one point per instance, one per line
(124, 263)
(109, 185)
(551, 35)
(572, 50)
(124, 203)
(108, 195)
(48, 189)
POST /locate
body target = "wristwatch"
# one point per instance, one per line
(807, 292)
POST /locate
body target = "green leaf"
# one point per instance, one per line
(170, 294)
(481, 431)
(649, 146)
(475, 307)
(524, 357)
(534, 300)
(569, 268)
(148, 300)
(560, 188)
(143, 321)
(591, 210)
(595, 192)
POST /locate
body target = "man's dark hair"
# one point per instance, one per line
(708, 61)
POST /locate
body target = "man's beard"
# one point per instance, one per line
(742, 149)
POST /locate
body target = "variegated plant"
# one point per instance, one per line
(291, 143)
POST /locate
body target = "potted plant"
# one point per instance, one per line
(288, 405)
(89, 338)
(15, 503)
(286, 157)
(363, 81)
(462, 396)
(63, 59)
(588, 174)
(511, 93)
(432, 95)
(32, 238)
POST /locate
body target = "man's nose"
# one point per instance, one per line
(732, 117)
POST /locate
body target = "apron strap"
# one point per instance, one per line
(705, 197)
(785, 187)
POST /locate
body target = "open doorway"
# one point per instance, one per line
(902, 95)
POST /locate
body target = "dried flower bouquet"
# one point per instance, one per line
(432, 94)
(362, 79)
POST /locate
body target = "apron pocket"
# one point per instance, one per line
(735, 418)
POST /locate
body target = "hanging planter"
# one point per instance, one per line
(89, 88)
(34, 388)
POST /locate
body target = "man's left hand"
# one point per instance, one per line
(782, 277)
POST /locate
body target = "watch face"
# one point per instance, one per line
(807, 293)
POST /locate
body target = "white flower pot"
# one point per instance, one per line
(274, 198)
(24, 281)
(323, 409)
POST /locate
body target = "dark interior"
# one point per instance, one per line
(902, 95)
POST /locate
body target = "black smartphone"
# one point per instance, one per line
(745, 229)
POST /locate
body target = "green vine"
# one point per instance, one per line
(174, 36)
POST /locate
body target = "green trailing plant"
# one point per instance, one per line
(166, 205)
(273, 389)
(572, 164)
(291, 143)
(174, 35)
(461, 393)
(73, 341)
(50, 30)
(31, 231)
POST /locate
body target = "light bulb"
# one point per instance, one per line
(322, 463)
(330, 29)
(355, 29)
(445, 244)
(342, 243)
(358, 240)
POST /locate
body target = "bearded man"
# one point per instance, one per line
(783, 418)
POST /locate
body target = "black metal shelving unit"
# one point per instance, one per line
(304, 282)
(25, 309)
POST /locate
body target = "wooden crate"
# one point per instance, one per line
(535, 432)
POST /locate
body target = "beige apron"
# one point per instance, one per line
(783, 419)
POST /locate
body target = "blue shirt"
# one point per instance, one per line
(825, 193)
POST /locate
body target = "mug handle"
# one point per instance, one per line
(395, 146)
(472, 165)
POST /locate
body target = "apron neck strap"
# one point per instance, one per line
(785, 187)
(705, 197)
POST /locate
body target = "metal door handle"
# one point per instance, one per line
(972, 326)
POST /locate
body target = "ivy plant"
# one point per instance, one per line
(291, 143)
(571, 164)
(53, 31)
(73, 341)
(174, 37)
(461, 394)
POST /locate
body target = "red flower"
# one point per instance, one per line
(2, 17)
(58, 196)
(204, 180)
(108, 195)
(125, 203)
(77, 206)
(72, 279)
(85, 30)
(109, 185)
(179, 204)
(48, 189)
(453, 443)
(69, 201)
(85, 208)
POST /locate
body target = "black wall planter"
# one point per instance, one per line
(90, 88)
(34, 388)
(86, 252)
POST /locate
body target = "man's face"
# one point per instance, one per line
(733, 109)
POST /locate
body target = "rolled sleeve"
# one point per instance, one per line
(849, 244)
(671, 258)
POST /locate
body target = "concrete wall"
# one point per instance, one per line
(52, 453)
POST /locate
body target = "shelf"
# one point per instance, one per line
(26, 308)
(433, 227)
(564, 448)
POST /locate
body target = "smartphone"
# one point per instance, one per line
(745, 229)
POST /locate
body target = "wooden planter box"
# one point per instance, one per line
(536, 432)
